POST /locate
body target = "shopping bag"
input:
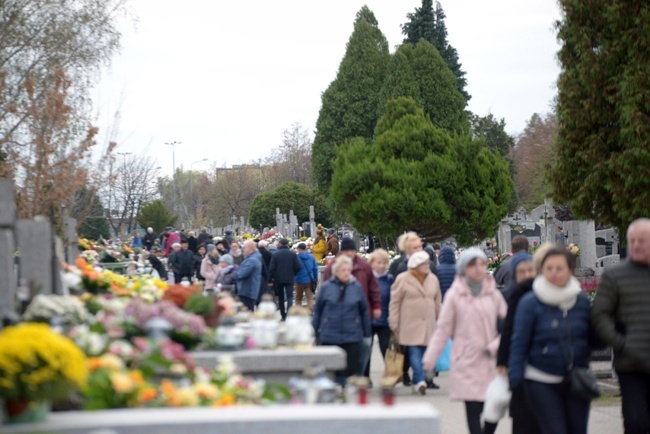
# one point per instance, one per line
(444, 361)
(497, 399)
(394, 363)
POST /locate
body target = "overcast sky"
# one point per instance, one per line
(226, 78)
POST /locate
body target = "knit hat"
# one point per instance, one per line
(226, 259)
(418, 258)
(518, 258)
(468, 256)
(348, 244)
(210, 247)
(330, 231)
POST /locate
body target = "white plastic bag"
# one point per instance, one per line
(497, 399)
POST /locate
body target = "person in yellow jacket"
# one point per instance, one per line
(320, 245)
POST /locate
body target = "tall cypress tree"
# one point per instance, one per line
(425, 23)
(349, 105)
(602, 152)
(420, 72)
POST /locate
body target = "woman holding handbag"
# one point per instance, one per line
(469, 316)
(550, 343)
(414, 307)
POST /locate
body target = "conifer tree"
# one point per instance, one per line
(349, 105)
(602, 152)
(429, 24)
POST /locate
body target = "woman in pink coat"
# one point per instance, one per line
(469, 316)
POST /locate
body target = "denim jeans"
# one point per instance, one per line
(364, 355)
(415, 356)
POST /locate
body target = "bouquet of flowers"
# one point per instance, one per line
(39, 364)
(45, 307)
(496, 260)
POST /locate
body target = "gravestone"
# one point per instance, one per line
(7, 248)
(583, 234)
(70, 240)
(36, 239)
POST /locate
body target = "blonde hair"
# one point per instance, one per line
(340, 261)
(540, 253)
(377, 255)
(405, 239)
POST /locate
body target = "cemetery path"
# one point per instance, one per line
(605, 416)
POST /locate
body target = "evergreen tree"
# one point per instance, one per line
(349, 105)
(602, 152)
(427, 24)
(415, 176)
(88, 209)
(156, 215)
(420, 72)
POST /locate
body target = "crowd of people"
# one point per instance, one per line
(529, 321)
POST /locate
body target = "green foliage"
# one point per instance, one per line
(420, 73)
(288, 196)
(89, 212)
(156, 215)
(349, 105)
(427, 24)
(415, 176)
(493, 131)
(602, 154)
(200, 304)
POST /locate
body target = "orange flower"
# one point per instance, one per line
(81, 263)
(117, 290)
(146, 395)
(169, 391)
(94, 363)
(137, 378)
(226, 400)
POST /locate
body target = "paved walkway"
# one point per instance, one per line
(604, 419)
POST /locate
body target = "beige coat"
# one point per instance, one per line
(414, 308)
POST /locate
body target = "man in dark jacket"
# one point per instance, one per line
(192, 242)
(149, 239)
(157, 264)
(263, 247)
(183, 263)
(446, 269)
(282, 272)
(621, 318)
(503, 274)
(204, 237)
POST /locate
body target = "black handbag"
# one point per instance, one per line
(582, 382)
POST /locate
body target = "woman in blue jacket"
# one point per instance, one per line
(341, 315)
(378, 261)
(551, 332)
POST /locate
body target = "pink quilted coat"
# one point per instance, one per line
(472, 324)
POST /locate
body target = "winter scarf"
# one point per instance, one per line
(564, 298)
(379, 275)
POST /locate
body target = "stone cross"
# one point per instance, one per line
(278, 220)
(312, 221)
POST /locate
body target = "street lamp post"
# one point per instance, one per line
(173, 145)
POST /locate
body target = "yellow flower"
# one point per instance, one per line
(206, 390)
(160, 284)
(226, 400)
(121, 382)
(111, 362)
(187, 397)
(39, 362)
(136, 377)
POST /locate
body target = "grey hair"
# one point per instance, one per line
(340, 261)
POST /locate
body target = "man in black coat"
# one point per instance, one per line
(183, 263)
(282, 272)
(204, 237)
(149, 239)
